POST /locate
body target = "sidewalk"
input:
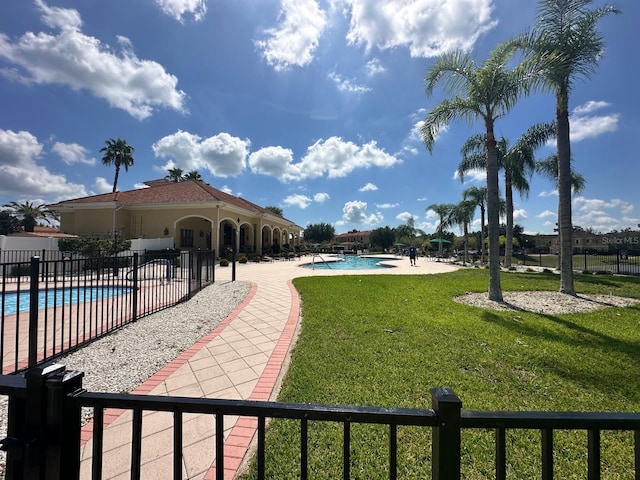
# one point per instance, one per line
(243, 358)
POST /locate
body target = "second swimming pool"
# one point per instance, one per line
(59, 297)
(348, 262)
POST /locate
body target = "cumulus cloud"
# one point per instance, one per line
(386, 205)
(473, 175)
(332, 157)
(519, 215)
(405, 217)
(547, 214)
(20, 174)
(550, 193)
(71, 153)
(298, 200)
(81, 62)
(181, 9)
(294, 41)
(369, 187)
(223, 155)
(321, 197)
(355, 212)
(102, 185)
(426, 27)
(374, 67)
(584, 125)
(603, 215)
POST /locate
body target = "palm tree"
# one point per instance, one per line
(175, 175)
(30, 213)
(478, 195)
(118, 153)
(517, 162)
(462, 214)
(487, 92)
(443, 210)
(549, 168)
(566, 32)
(193, 175)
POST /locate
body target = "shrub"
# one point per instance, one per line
(243, 259)
(21, 270)
(224, 262)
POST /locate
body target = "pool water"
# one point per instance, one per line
(59, 297)
(348, 262)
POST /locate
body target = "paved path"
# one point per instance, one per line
(243, 358)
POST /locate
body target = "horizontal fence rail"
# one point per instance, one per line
(51, 398)
(51, 307)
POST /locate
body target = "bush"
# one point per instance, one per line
(243, 259)
(21, 270)
(224, 262)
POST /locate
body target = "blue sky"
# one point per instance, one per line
(313, 106)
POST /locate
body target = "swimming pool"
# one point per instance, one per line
(348, 262)
(62, 296)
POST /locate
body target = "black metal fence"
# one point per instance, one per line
(621, 262)
(50, 307)
(43, 439)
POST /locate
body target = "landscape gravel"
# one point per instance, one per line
(124, 359)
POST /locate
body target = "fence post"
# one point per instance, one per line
(618, 261)
(445, 442)
(135, 287)
(33, 311)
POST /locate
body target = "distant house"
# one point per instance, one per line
(353, 240)
(192, 213)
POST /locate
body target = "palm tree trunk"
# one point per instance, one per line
(565, 227)
(483, 254)
(115, 179)
(508, 244)
(495, 290)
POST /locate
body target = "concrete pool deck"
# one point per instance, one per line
(244, 358)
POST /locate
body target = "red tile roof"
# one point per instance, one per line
(167, 192)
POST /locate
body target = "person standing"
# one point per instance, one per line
(412, 255)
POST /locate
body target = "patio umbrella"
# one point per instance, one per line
(398, 244)
(439, 240)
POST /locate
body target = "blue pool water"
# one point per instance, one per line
(348, 262)
(63, 296)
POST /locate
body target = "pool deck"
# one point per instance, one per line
(244, 358)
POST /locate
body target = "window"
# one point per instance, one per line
(186, 238)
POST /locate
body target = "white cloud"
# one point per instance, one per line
(386, 205)
(321, 197)
(273, 161)
(294, 41)
(223, 154)
(426, 27)
(102, 185)
(81, 62)
(71, 153)
(20, 174)
(550, 193)
(300, 201)
(588, 126)
(226, 189)
(369, 187)
(345, 85)
(355, 212)
(179, 9)
(405, 217)
(603, 215)
(547, 214)
(333, 157)
(519, 215)
(473, 175)
(374, 67)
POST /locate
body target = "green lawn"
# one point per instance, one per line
(383, 340)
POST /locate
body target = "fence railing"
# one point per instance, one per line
(621, 262)
(50, 307)
(43, 439)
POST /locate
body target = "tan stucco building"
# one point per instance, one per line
(192, 213)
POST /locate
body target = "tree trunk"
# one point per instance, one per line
(115, 179)
(493, 214)
(483, 254)
(565, 226)
(508, 244)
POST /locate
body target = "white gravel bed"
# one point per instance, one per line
(123, 360)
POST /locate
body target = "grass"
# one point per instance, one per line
(383, 340)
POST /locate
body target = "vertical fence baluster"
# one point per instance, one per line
(547, 454)
(346, 450)
(304, 449)
(501, 454)
(445, 442)
(177, 445)
(593, 455)
(636, 449)
(136, 444)
(261, 446)
(219, 446)
(33, 312)
(393, 451)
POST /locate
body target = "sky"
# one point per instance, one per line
(313, 106)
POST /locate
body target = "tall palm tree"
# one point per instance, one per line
(175, 175)
(517, 162)
(549, 168)
(443, 210)
(486, 92)
(478, 195)
(119, 154)
(30, 213)
(193, 175)
(566, 32)
(462, 214)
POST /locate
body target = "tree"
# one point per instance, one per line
(9, 223)
(478, 195)
(193, 175)
(30, 213)
(119, 154)
(487, 92)
(276, 210)
(408, 232)
(321, 232)
(175, 175)
(517, 162)
(383, 237)
(443, 210)
(565, 33)
(549, 168)
(462, 214)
